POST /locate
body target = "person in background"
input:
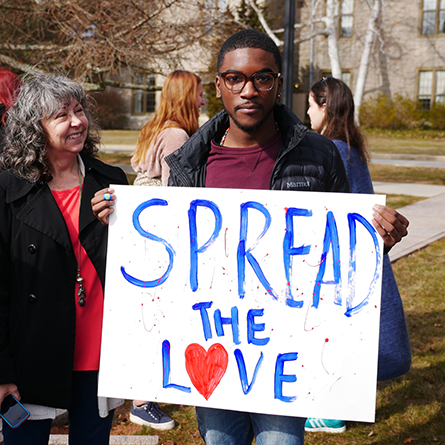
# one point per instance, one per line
(52, 263)
(9, 87)
(331, 113)
(176, 119)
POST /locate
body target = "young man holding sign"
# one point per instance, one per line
(257, 143)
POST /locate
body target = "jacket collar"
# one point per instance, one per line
(185, 161)
(41, 211)
(292, 129)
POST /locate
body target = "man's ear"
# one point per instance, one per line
(280, 86)
(217, 85)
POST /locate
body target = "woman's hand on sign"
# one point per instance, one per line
(102, 205)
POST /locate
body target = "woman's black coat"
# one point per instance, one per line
(37, 282)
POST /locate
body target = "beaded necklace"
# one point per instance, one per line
(224, 137)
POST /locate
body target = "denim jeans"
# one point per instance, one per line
(86, 426)
(223, 427)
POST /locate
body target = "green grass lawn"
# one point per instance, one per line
(430, 143)
(417, 175)
(120, 137)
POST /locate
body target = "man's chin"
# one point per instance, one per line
(248, 128)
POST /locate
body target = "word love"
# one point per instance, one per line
(207, 368)
(245, 253)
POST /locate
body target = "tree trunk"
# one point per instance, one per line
(364, 62)
(331, 32)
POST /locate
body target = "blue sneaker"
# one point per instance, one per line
(150, 414)
(326, 425)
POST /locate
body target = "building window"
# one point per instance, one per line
(431, 88)
(433, 17)
(440, 87)
(346, 18)
(144, 101)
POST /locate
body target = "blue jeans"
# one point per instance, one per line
(223, 427)
(86, 426)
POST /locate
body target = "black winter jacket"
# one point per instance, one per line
(37, 282)
(306, 161)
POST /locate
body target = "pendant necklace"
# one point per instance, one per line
(79, 279)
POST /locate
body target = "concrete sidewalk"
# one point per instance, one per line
(427, 218)
(427, 224)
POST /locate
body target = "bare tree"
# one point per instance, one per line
(91, 39)
(324, 21)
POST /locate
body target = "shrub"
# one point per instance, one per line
(394, 114)
(436, 116)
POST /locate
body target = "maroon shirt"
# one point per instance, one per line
(243, 168)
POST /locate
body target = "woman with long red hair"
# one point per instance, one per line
(174, 122)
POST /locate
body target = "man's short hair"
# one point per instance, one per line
(249, 38)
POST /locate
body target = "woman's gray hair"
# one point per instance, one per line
(40, 97)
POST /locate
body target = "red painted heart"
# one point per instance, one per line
(206, 369)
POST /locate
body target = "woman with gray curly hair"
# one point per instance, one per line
(52, 263)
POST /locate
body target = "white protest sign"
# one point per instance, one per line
(260, 301)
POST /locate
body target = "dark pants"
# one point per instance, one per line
(86, 426)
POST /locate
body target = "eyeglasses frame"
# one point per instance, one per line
(274, 75)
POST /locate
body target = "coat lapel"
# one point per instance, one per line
(42, 214)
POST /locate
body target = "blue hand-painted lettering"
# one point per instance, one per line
(233, 320)
(330, 239)
(166, 369)
(150, 236)
(352, 219)
(194, 249)
(202, 308)
(242, 253)
(247, 387)
(253, 327)
(280, 377)
(289, 250)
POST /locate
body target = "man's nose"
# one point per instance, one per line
(249, 89)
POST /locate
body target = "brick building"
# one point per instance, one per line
(408, 57)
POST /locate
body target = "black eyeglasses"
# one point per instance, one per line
(235, 81)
